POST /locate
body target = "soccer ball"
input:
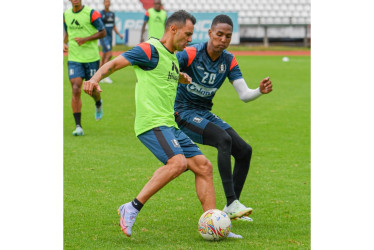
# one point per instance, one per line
(214, 224)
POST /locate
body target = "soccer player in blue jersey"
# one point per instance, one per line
(208, 64)
(157, 71)
(108, 18)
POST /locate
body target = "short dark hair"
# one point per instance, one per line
(180, 16)
(222, 19)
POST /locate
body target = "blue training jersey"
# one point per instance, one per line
(207, 77)
(108, 20)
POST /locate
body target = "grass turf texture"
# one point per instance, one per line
(108, 166)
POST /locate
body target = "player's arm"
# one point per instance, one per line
(117, 32)
(246, 94)
(146, 18)
(107, 69)
(115, 28)
(142, 55)
(97, 35)
(66, 37)
(97, 22)
(186, 57)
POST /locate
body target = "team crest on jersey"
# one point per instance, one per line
(222, 68)
(197, 119)
(175, 143)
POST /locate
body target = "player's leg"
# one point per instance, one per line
(107, 56)
(200, 128)
(217, 137)
(106, 44)
(175, 166)
(103, 50)
(242, 153)
(203, 170)
(208, 129)
(201, 167)
(76, 73)
(162, 143)
(90, 70)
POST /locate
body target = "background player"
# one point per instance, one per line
(157, 71)
(209, 64)
(83, 26)
(155, 17)
(109, 19)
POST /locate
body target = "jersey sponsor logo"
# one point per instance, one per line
(199, 90)
(174, 73)
(175, 68)
(75, 25)
(175, 143)
(197, 119)
(222, 68)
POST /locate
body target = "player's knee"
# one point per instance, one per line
(76, 89)
(178, 165)
(224, 141)
(245, 152)
(205, 168)
(248, 150)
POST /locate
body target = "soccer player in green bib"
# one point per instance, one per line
(155, 18)
(83, 26)
(157, 69)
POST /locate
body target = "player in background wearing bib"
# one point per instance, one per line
(155, 17)
(208, 64)
(83, 26)
(109, 19)
(157, 70)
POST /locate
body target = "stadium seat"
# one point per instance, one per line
(115, 7)
(249, 11)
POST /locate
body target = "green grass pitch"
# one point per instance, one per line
(108, 166)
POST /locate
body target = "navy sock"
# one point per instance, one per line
(77, 118)
(137, 204)
(98, 103)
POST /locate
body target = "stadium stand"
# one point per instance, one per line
(249, 11)
(257, 18)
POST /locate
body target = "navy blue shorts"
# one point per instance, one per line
(106, 43)
(165, 142)
(193, 123)
(83, 70)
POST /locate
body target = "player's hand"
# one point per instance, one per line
(121, 36)
(89, 87)
(66, 47)
(80, 40)
(266, 86)
(184, 78)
